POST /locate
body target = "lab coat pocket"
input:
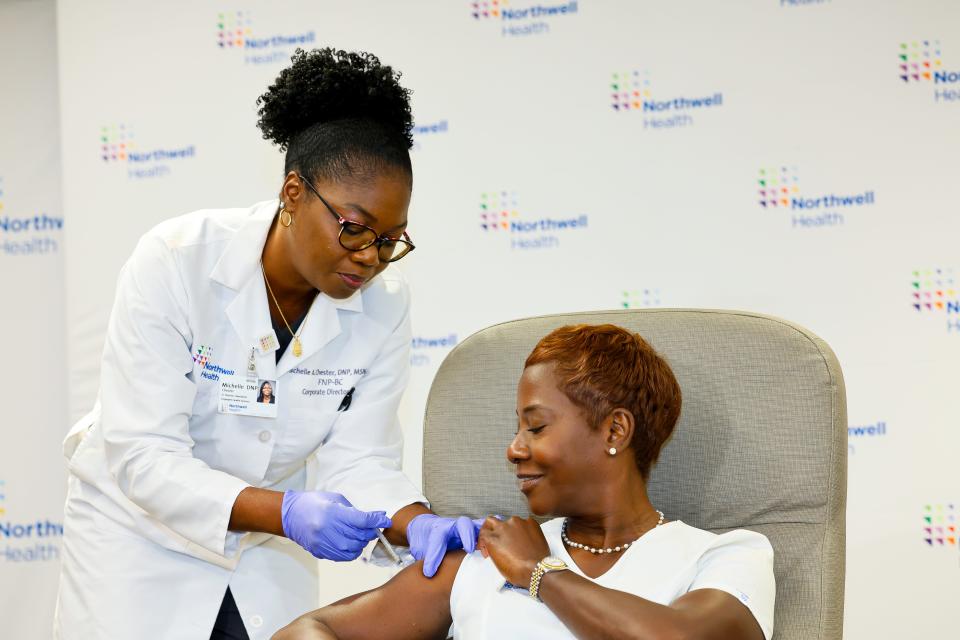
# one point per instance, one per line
(306, 430)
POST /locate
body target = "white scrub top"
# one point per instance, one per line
(661, 566)
(155, 467)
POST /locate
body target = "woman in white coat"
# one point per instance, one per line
(186, 495)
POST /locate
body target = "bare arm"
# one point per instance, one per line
(259, 510)
(592, 611)
(408, 607)
(397, 533)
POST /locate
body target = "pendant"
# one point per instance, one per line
(297, 348)
(252, 365)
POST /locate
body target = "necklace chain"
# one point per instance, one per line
(297, 346)
(622, 547)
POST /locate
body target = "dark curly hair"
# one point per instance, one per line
(603, 367)
(338, 115)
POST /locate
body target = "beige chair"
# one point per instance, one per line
(761, 442)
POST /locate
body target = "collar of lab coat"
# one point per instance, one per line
(239, 270)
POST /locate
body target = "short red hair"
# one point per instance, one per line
(604, 367)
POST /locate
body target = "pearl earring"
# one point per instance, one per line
(612, 451)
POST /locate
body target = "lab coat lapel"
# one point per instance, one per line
(319, 327)
(250, 316)
(239, 270)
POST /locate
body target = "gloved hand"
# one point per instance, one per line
(430, 537)
(327, 525)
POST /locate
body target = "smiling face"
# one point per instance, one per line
(558, 456)
(380, 201)
(266, 390)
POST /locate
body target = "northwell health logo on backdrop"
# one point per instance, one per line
(630, 91)
(519, 17)
(640, 298)
(26, 234)
(142, 160)
(860, 433)
(779, 188)
(934, 293)
(921, 62)
(235, 32)
(940, 525)
(427, 350)
(499, 215)
(30, 540)
(424, 132)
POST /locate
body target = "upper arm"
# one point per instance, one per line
(734, 591)
(712, 614)
(408, 607)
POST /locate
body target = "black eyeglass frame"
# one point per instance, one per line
(378, 240)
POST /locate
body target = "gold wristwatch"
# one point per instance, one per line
(548, 564)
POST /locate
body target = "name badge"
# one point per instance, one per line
(240, 395)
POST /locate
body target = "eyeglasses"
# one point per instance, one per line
(357, 237)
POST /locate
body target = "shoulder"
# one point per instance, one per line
(699, 542)
(198, 229)
(206, 226)
(192, 243)
(739, 562)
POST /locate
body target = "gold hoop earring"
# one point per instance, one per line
(288, 220)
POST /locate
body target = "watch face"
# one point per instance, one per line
(553, 562)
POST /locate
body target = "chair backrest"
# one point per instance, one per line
(761, 443)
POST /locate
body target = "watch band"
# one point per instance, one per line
(548, 564)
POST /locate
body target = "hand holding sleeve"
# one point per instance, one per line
(430, 537)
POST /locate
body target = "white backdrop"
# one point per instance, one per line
(789, 157)
(32, 321)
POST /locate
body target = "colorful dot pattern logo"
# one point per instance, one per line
(487, 10)
(497, 208)
(776, 185)
(233, 27)
(934, 291)
(1, 194)
(628, 90)
(3, 496)
(919, 59)
(640, 298)
(202, 355)
(940, 525)
(115, 142)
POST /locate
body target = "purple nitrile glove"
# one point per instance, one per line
(327, 525)
(430, 537)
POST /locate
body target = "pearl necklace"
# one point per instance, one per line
(623, 547)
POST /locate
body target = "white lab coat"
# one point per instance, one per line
(155, 469)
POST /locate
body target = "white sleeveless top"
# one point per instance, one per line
(661, 566)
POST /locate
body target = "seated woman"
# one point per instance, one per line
(595, 405)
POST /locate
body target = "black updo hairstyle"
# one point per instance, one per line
(339, 116)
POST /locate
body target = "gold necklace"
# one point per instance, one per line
(297, 347)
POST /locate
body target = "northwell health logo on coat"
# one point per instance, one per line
(143, 159)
